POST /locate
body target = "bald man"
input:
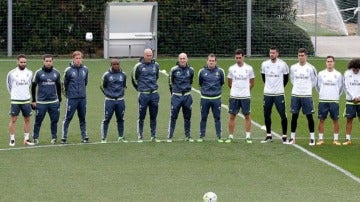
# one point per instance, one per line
(144, 78)
(180, 81)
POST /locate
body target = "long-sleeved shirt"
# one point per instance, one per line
(145, 75)
(181, 79)
(18, 84)
(303, 79)
(211, 82)
(329, 85)
(48, 82)
(75, 81)
(351, 85)
(114, 84)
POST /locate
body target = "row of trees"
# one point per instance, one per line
(199, 27)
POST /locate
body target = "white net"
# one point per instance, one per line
(324, 13)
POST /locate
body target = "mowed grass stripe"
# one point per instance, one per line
(165, 172)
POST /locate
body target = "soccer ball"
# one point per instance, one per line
(210, 197)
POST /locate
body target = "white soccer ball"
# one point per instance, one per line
(210, 197)
(163, 71)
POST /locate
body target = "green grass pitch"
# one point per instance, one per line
(178, 171)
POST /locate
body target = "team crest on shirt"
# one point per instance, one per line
(42, 75)
(73, 74)
(121, 78)
(55, 75)
(177, 73)
(187, 73)
(83, 72)
(154, 69)
(217, 74)
(111, 78)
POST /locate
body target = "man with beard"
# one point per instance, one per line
(47, 98)
(18, 82)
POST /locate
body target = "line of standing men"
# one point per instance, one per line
(46, 97)
(211, 78)
(275, 75)
(329, 83)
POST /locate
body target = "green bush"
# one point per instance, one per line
(195, 27)
(283, 34)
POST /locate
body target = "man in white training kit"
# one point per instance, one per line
(352, 90)
(275, 75)
(241, 79)
(330, 87)
(18, 82)
(303, 77)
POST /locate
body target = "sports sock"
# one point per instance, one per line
(247, 134)
(336, 136)
(321, 136)
(12, 136)
(231, 136)
(348, 136)
(26, 136)
(312, 136)
(292, 135)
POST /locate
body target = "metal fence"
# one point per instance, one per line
(59, 27)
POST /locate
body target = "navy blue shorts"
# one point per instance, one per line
(326, 108)
(304, 103)
(236, 104)
(24, 108)
(279, 101)
(351, 111)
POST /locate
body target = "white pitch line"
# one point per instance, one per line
(340, 169)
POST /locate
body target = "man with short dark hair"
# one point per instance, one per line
(330, 87)
(240, 81)
(275, 75)
(113, 86)
(303, 77)
(46, 98)
(18, 82)
(211, 79)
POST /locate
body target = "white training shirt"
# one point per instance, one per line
(274, 76)
(240, 76)
(351, 84)
(303, 79)
(18, 83)
(329, 85)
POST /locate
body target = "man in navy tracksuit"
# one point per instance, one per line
(144, 78)
(47, 98)
(75, 81)
(211, 80)
(113, 86)
(180, 81)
